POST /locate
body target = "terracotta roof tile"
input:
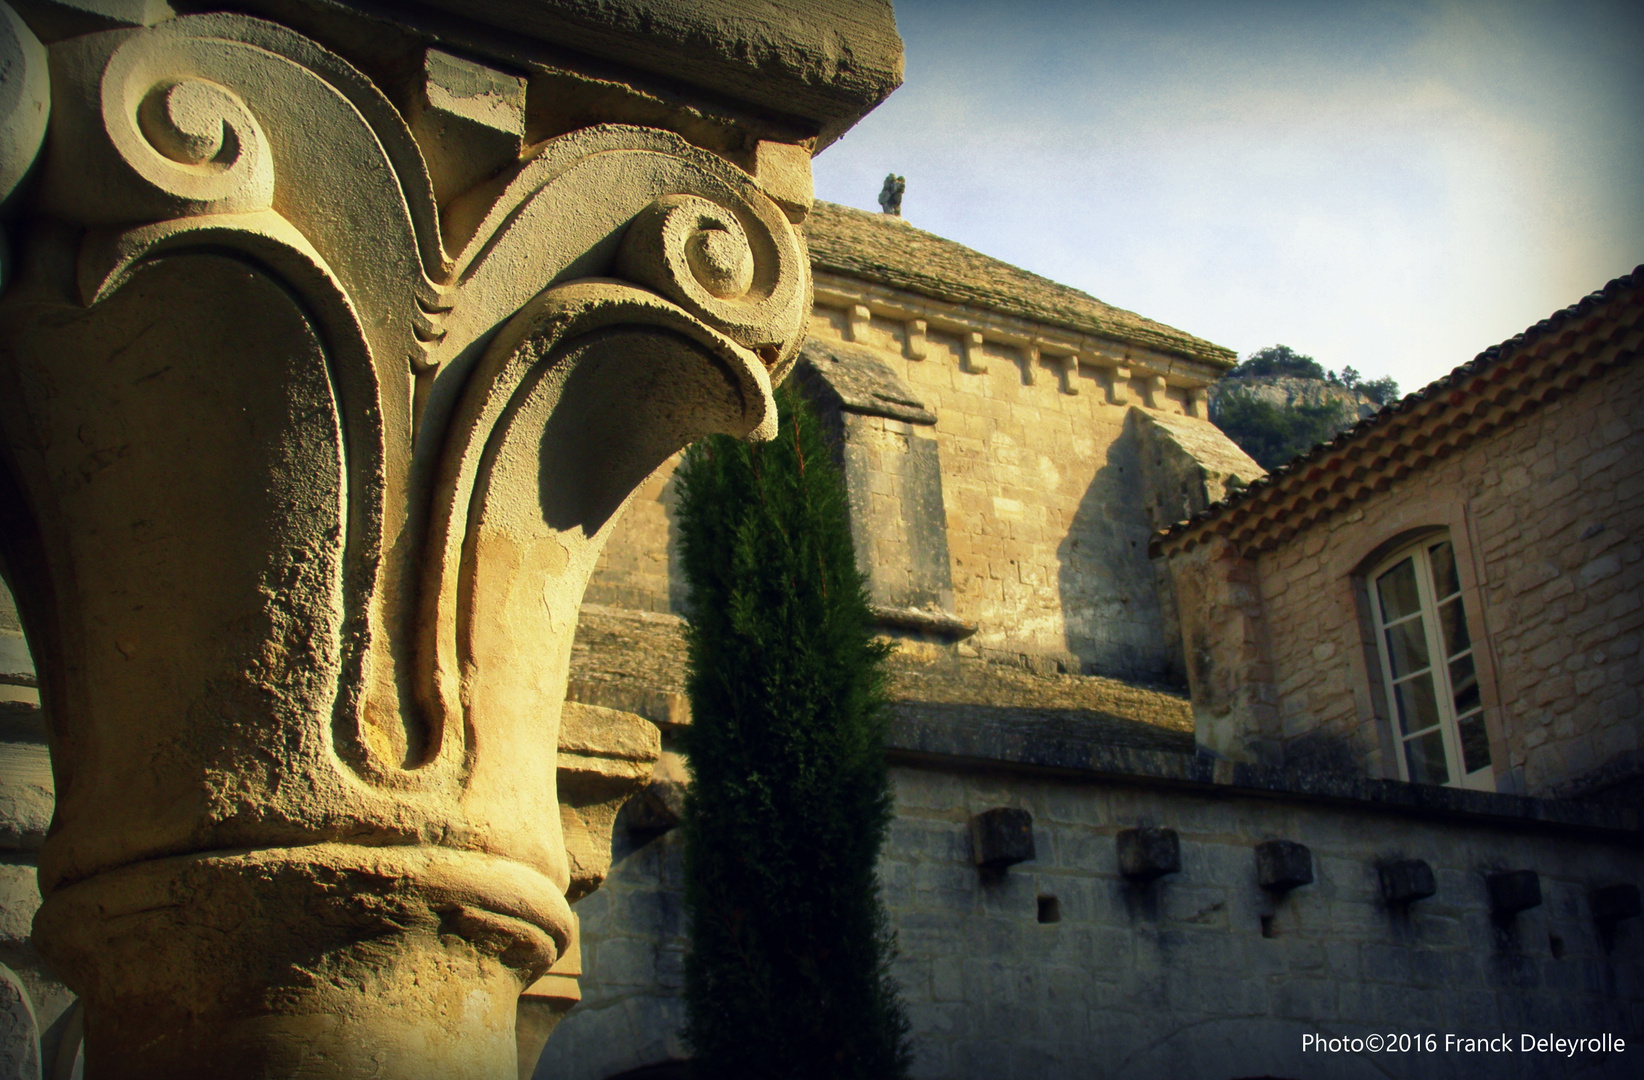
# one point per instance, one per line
(1621, 300)
(887, 250)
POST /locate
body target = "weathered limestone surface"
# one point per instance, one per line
(19, 1032)
(1529, 460)
(1042, 487)
(27, 793)
(635, 661)
(1224, 641)
(1031, 404)
(893, 478)
(826, 61)
(329, 356)
(1280, 390)
(1547, 514)
(1197, 973)
(1188, 464)
(883, 249)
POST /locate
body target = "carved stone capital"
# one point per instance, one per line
(315, 469)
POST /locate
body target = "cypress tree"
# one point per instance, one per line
(788, 970)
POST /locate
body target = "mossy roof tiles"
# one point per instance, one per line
(887, 250)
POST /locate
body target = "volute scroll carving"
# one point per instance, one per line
(653, 210)
(739, 280)
(156, 136)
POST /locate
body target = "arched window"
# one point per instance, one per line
(1427, 667)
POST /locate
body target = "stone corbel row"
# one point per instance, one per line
(1003, 837)
(1114, 362)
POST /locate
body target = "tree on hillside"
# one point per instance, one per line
(789, 804)
(1273, 434)
(1383, 391)
(1277, 360)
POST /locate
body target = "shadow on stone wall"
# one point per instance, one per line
(679, 590)
(1252, 1046)
(1109, 589)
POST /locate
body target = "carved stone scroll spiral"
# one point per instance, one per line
(520, 542)
(656, 211)
(698, 254)
(164, 140)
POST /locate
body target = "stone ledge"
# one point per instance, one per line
(825, 63)
(1016, 739)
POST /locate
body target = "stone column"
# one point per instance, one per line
(319, 396)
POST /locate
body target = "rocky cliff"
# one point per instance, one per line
(1287, 391)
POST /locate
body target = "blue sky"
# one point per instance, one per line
(1388, 184)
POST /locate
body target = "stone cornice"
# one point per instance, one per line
(817, 71)
(1605, 330)
(1052, 342)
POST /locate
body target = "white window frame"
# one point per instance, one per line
(1449, 721)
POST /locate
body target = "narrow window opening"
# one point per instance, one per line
(1427, 667)
(1050, 909)
(1555, 945)
(1269, 929)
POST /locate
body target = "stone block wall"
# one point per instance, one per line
(1547, 517)
(633, 960)
(1199, 973)
(1045, 518)
(893, 475)
(639, 568)
(1049, 507)
(27, 794)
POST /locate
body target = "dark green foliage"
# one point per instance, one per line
(1273, 434)
(790, 802)
(1383, 391)
(1278, 360)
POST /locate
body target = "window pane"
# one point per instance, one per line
(1445, 581)
(1425, 756)
(1464, 684)
(1407, 647)
(1475, 743)
(1418, 707)
(1453, 625)
(1397, 589)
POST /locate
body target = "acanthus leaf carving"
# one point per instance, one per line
(589, 389)
(228, 132)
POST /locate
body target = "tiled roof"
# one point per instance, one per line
(887, 250)
(1555, 355)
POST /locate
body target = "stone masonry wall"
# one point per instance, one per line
(638, 568)
(27, 793)
(1547, 517)
(1046, 504)
(1199, 974)
(1043, 491)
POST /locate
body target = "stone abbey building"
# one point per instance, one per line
(345, 356)
(1255, 815)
